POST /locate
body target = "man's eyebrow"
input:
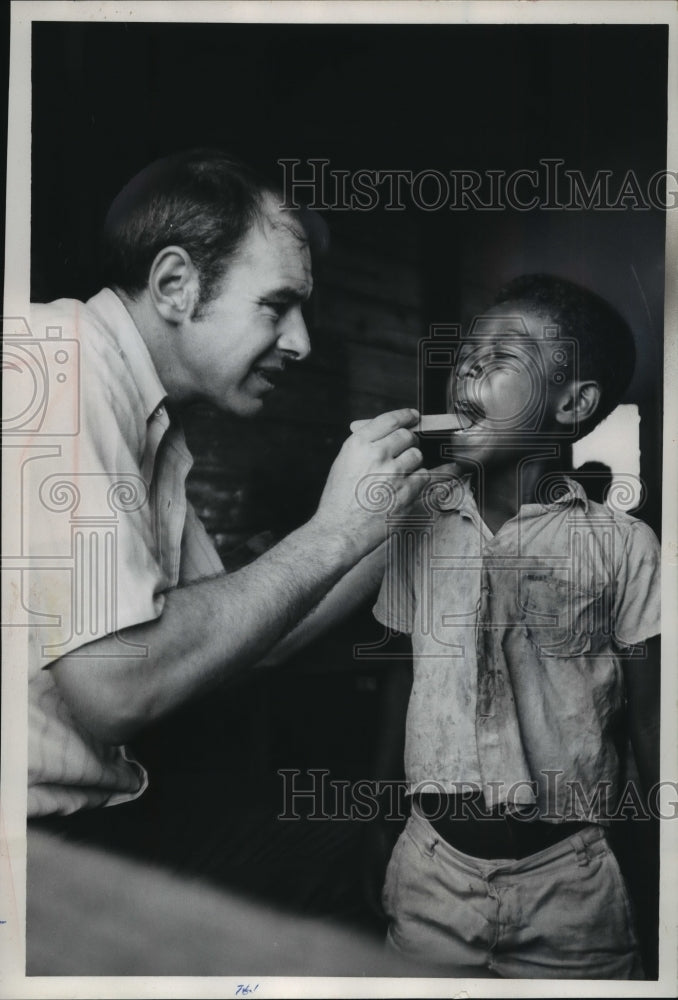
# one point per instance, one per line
(288, 293)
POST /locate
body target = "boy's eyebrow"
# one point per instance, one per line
(497, 337)
(509, 334)
(518, 332)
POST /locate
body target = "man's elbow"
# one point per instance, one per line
(111, 729)
(110, 710)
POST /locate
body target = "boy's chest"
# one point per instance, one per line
(552, 580)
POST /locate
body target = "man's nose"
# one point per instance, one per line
(294, 340)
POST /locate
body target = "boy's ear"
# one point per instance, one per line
(577, 402)
(173, 284)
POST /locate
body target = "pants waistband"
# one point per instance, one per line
(500, 836)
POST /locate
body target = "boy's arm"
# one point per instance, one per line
(395, 696)
(395, 610)
(641, 840)
(638, 615)
(642, 681)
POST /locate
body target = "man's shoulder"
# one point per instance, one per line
(74, 319)
(69, 314)
(79, 326)
(86, 335)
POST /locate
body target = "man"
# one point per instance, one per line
(206, 279)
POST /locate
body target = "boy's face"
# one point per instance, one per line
(506, 380)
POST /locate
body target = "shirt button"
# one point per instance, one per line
(159, 412)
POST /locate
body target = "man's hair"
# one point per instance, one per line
(201, 199)
(606, 347)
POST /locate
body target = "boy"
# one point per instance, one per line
(526, 604)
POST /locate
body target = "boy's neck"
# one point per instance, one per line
(505, 488)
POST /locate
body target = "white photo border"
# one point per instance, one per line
(13, 982)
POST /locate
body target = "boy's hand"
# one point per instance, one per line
(383, 449)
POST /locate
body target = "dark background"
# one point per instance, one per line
(108, 98)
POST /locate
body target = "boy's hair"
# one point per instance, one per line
(606, 346)
(202, 200)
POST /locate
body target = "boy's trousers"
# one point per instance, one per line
(562, 913)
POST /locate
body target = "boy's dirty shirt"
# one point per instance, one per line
(518, 686)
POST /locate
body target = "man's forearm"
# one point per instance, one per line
(354, 588)
(214, 628)
(207, 633)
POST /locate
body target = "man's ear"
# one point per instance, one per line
(577, 402)
(174, 284)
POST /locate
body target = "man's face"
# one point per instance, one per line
(236, 351)
(506, 381)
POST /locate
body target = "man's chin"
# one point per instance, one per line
(243, 405)
(252, 408)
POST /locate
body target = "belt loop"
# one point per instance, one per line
(581, 850)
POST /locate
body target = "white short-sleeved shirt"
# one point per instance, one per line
(517, 687)
(106, 530)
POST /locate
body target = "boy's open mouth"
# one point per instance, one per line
(470, 411)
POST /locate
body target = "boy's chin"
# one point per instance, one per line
(468, 456)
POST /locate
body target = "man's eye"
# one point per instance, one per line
(278, 308)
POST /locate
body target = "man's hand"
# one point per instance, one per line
(382, 454)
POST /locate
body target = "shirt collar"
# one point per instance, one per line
(456, 494)
(575, 491)
(460, 496)
(112, 313)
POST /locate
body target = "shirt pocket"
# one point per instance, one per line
(562, 619)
